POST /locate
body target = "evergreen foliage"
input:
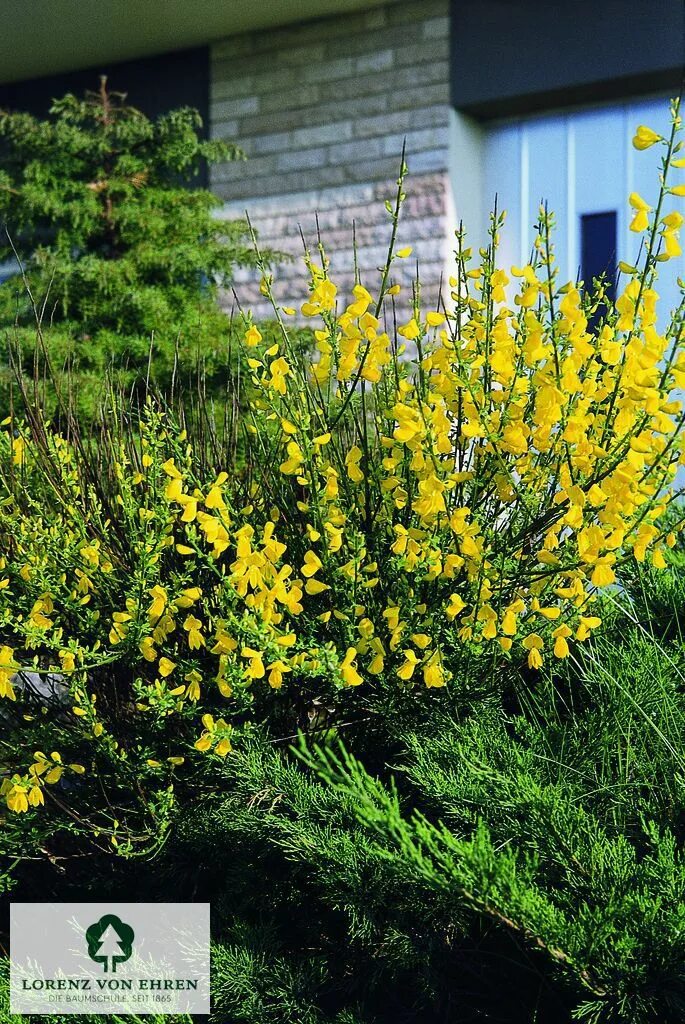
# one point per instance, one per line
(519, 862)
(121, 261)
(516, 860)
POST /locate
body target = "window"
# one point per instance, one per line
(598, 249)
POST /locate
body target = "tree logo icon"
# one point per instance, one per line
(110, 942)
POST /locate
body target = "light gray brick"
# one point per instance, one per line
(276, 142)
(429, 160)
(272, 81)
(227, 130)
(319, 134)
(278, 120)
(436, 28)
(266, 75)
(363, 148)
(401, 121)
(235, 107)
(309, 33)
(433, 50)
(373, 170)
(308, 97)
(417, 141)
(356, 87)
(304, 159)
(249, 170)
(301, 97)
(394, 84)
(380, 60)
(424, 96)
(335, 99)
(277, 184)
(330, 70)
(224, 87)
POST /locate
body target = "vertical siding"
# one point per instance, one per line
(503, 176)
(547, 142)
(579, 162)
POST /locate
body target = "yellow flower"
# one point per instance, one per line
(560, 634)
(36, 798)
(171, 470)
(295, 460)
(17, 799)
(645, 137)
(312, 564)
(603, 574)
(433, 673)
(587, 624)
(638, 203)
(455, 606)
(277, 669)
(324, 294)
(352, 463)
(406, 671)
(509, 624)
(409, 423)
(193, 679)
(252, 336)
(195, 638)
(377, 663)
(640, 222)
(430, 501)
(166, 667)
(410, 331)
(8, 667)
(348, 670)
(189, 508)
(255, 668)
(159, 602)
(188, 597)
(314, 587)
(18, 451)
(671, 245)
(68, 661)
(224, 644)
(534, 644)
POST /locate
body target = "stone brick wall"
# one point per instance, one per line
(321, 110)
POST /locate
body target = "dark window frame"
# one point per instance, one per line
(599, 252)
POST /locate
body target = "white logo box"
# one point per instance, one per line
(104, 958)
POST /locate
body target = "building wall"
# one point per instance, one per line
(322, 110)
(579, 162)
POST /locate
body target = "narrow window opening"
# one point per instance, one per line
(598, 249)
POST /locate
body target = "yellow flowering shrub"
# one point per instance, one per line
(428, 485)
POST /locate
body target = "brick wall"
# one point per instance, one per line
(321, 110)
